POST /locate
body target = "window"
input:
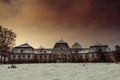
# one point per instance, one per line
(76, 51)
(81, 56)
(21, 51)
(61, 48)
(23, 56)
(44, 51)
(13, 56)
(18, 56)
(28, 56)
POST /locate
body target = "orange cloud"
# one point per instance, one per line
(82, 20)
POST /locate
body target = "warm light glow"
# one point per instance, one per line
(44, 22)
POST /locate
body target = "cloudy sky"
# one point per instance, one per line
(43, 22)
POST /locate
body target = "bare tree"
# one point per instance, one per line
(7, 40)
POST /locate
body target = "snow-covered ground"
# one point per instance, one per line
(82, 71)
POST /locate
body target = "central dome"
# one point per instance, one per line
(61, 47)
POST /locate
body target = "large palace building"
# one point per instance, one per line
(60, 53)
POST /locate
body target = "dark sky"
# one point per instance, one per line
(43, 22)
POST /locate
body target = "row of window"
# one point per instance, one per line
(55, 56)
(21, 56)
(48, 56)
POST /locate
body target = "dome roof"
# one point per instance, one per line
(61, 44)
(61, 41)
(76, 45)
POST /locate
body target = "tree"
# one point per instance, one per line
(117, 48)
(7, 40)
(117, 53)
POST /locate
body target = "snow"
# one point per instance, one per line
(66, 71)
(84, 51)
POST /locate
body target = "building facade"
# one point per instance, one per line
(60, 53)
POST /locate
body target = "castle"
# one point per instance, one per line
(60, 53)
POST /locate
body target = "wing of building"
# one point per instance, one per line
(23, 48)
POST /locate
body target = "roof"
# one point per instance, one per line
(96, 46)
(76, 45)
(61, 41)
(62, 44)
(26, 45)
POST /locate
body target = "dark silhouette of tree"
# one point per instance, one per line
(117, 48)
(117, 53)
(7, 40)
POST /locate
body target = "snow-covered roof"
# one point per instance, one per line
(26, 45)
(84, 51)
